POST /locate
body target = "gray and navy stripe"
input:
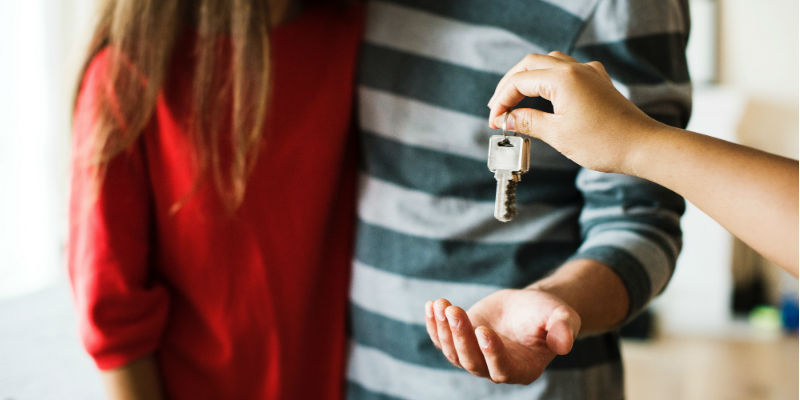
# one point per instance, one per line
(426, 227)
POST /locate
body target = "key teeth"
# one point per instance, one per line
(511, 200)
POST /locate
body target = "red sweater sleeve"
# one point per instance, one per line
(122, 308)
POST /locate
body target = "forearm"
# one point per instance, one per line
(751, 193)
(134, 381)
(593, 290)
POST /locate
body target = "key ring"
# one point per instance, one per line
(505, 142)
(505, 124)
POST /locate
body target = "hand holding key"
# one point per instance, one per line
(597, 127)
(592, 123)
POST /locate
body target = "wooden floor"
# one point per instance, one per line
(708, 369)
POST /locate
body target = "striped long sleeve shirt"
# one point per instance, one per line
(425, 213)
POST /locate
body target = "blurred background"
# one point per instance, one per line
(725, 328)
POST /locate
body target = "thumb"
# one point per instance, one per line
(527, 121)
(562, 329)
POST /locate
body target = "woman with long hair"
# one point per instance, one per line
(211, 206)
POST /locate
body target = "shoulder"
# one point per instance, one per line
(94, 77)
(94, 81)
(103, 64)
(97, 103)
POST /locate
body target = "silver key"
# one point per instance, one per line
(509, 158)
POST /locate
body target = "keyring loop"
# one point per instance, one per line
(505, 122)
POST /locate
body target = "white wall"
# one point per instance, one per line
(41, 42)
(759, 55)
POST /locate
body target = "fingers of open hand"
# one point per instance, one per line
(430, 324)
(443, 331)
(494, 353)
(465, 342)
(562, 330)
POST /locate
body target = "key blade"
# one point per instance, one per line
(502, 211)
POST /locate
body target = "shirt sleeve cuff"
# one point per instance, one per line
(641, 265)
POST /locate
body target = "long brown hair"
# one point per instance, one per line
(141, 36)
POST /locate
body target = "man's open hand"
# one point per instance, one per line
(509, 336)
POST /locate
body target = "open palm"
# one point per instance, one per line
(518, 334)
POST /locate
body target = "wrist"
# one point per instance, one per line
(643, 147)
(592, 290)
(558, 289)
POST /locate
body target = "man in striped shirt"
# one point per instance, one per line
(426, 228)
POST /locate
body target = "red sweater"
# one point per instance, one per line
(244, 307)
